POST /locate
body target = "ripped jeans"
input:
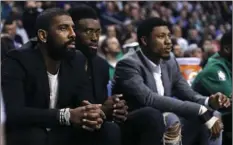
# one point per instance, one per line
(179, 131)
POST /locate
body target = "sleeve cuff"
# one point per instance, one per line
(209, 124)
(202, 110)
(207, 101)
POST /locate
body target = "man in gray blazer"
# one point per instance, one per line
(149, 78)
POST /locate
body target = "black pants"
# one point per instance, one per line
(143, 127)
(109, 134)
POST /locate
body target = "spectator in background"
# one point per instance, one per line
(39, 5)
(111, 49)
(195, 51)
(29, 18)
(177, 51)
(110, 32)
(7, 44)
(9, 30)
(6, 8)
(177, 34)
(20, 30)
(209, 50)
(193, 36)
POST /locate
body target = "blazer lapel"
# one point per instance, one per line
(146, 63)
(165, 79)
(64, 78)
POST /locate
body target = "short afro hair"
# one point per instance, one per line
(226, 40)
(82, 11)
(146, 26)
(45, 18)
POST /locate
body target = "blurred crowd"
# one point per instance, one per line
(196, 26)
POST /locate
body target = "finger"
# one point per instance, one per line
(220, 96)
(116, 97)
(92, 107)
(87, 128)
(217, 129)
(223, 99)
(119, 112)
(213, 135)
(98, 127)
(120, 117)
(119, 120)
(99, 111)
(89, 122)
(92, 116)
(227, 103)
(120, 104)
(102, 114)
(100, 121)
(85, 102)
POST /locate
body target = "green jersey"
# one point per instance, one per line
(215, 77)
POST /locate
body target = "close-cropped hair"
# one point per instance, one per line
(146, 26)
(45, 18)
(226, 40)
(82, 11)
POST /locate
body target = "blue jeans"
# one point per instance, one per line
(189, 131)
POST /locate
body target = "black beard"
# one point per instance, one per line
(59, 52)
(86, 50)
(166, 58)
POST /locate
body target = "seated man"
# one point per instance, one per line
(217, 77)
(149, 77)
(39, 84)
(96, 77)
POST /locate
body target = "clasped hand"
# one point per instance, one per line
(89, 116)
(116, 108)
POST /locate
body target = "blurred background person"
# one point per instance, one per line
(110, 49)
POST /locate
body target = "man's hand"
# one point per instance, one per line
(120, 109)
(115, 107)
(88, 116)
(218, 101)
(216, 129)
(107, 107)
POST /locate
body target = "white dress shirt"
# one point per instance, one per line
(157, 76)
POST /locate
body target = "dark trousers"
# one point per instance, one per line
(109, 134)
(143, 127)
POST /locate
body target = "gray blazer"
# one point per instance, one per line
(134, 79)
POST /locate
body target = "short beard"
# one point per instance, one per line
(166, 57)
(86, 50)
(58, 52)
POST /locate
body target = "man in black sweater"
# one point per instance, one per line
(88, 30)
